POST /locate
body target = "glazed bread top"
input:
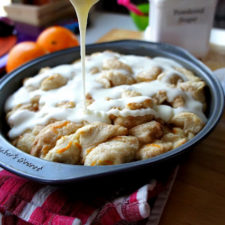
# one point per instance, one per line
(117, 87)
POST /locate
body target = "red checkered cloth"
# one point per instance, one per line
(24, 202)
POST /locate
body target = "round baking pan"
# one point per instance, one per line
(44, 171)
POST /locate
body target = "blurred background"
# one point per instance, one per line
(112, 6)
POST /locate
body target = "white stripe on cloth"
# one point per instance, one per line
(142, 194)
(76, 222)
(27, 212)
(144, 209)
(37, 201)
(1, 217)
(142, 198)
(91, 217)
(1, 169)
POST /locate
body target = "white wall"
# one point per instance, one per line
(2, 3)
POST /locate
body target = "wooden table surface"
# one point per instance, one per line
(198, 195)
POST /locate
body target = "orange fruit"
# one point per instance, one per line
(22, 53)
(57, 38)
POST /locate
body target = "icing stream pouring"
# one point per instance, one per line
(82, 8)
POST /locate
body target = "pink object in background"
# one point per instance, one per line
(130, 7)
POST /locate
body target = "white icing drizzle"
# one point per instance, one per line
(101, 108)
(82, 9)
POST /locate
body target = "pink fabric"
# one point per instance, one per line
(23, 202)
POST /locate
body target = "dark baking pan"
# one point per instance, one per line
(40, 170)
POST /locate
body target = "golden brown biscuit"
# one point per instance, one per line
(130, 93)
(115, 64)
(147, 132)
(26, 140)
(190, 76)
(153, 149)
(120, 149)
(92, 134)
(188, 121)
(131, 121)
(48, 136)
(52, 82)
(66, 150)
(196, 89)
(111, 78)
(149, 75)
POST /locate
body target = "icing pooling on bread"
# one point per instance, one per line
(106, 101)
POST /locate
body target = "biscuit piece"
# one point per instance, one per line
(53, 82)
(159, 97)
(149, 75)
(178, 102)
(190, 76)
(176, 136)
(48, 136)
(172, 135)
(95, 133)
(170, 79)
(147, 103)
(147, 132)
(188, 121)
(115, 64)
(130, 93)
(171, 139)
(131, 121)
(113, 78)
(25, 141)
(117, 150)
(32, 106)
(196, 89)
(66, 150)
(153, 149)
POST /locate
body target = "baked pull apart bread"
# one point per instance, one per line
(135, 108)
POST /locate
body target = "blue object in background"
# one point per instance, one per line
(74, 27)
